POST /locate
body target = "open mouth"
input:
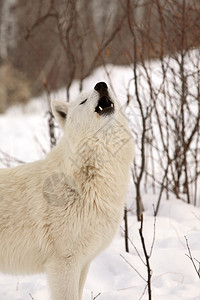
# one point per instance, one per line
(104, 106)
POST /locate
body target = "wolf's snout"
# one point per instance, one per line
(101, 87)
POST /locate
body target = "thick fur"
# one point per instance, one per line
(61, 236)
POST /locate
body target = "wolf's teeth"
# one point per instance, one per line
(112, 105)
(100, 108)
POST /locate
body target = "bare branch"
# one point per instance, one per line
(133, 267)
(192, 259)
(147, 257)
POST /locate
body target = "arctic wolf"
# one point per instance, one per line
(57, 214)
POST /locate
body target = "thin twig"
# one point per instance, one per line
(93, 298)
(133, 267)
(11, 158)
(31, 296)
(154, 234)
(191, 258)
(147, 257)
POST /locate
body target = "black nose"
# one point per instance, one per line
(101, 86)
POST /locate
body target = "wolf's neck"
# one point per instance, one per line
(98, 177)
(89, 165)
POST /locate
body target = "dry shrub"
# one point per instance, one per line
(14, 87)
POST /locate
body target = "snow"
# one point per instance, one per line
(111, 273)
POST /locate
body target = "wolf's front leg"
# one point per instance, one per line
(63, 277)
(83, 277)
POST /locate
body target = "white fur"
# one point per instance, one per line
(92, 163)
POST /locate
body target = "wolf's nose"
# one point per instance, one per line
(101, 86)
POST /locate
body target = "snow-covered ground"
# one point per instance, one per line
(23, 134)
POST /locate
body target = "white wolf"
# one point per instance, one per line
(57, 214)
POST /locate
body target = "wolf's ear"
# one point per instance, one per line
(60, 110)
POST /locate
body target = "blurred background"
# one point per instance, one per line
(46, 44)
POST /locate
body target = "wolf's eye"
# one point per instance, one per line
(83, 102)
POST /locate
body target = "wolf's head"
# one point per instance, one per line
(89, 108)
(94, 121)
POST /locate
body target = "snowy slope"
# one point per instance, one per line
(110, 274)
